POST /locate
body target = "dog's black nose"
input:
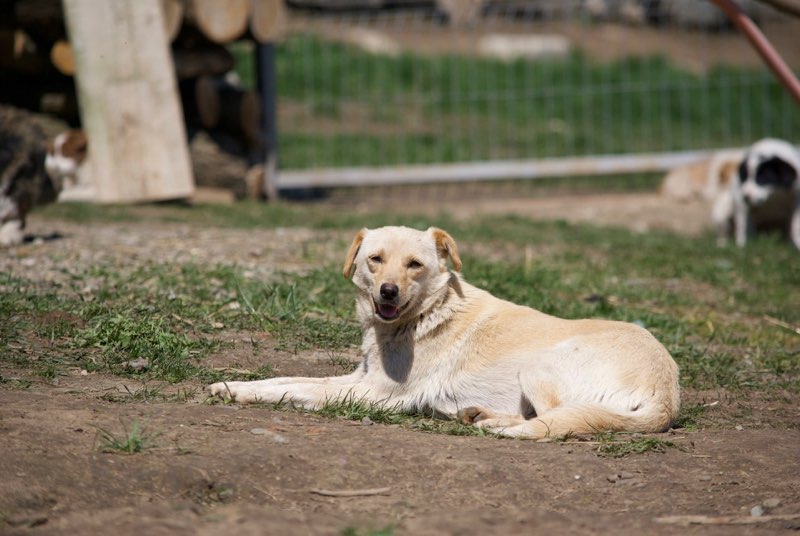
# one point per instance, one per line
(389, 291)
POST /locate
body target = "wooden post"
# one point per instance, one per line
(129, 102)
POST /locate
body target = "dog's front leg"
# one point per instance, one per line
(306, 395)
(741, 220)
(722, 216)
(794, 226)
(353, 377)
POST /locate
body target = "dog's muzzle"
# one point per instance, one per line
(387, 307)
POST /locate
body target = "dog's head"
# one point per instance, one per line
(65, 154)
(400, 270)
(770, 167)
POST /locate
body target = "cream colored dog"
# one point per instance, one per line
(433, 342)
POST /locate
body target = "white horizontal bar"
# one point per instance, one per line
(488, 171)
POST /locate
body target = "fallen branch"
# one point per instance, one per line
(350, 492)
(724, 520)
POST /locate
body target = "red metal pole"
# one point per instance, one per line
(762, 46)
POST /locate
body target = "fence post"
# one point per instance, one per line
(265, 75)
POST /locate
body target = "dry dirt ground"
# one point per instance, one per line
(216, 469)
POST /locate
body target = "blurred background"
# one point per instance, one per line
(340, 85)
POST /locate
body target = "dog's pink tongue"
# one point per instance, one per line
(387, 311)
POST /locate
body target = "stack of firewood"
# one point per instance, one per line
(37, 67)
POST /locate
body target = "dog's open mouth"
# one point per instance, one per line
(387, 311)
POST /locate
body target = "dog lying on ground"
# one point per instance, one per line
(764, 194)
(433, 342)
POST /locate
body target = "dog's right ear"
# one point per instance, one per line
(350, 259)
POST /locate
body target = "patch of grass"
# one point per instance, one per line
(146, 393)
(48, 372)
(123, 338)
(353, 531)
(690, 416)
(357, 409)
(342, 364)
(453, 427)
(131, 441)
(15, 383)
(613, 446)
(318, 315)
(209, 493)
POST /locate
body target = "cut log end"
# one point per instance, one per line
(221, 22)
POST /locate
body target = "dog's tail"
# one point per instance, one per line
(590, 419)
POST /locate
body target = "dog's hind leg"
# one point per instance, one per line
(475, 414)
(560, 422)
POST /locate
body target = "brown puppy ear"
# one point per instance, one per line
(350, 259)
(446, 247)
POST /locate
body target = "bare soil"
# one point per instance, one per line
(214, 469)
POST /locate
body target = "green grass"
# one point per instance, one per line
(340, 106)
(358, 409)
(131, 441)
(715, 309)
(613, 446)
(352, 531)
(124, 338)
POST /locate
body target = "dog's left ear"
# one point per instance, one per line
(350, 259)
(446, 247)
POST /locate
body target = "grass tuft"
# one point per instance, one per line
(353, 531)
(613, 446)
(355, 409)
(131, 441)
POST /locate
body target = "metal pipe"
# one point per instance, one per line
(489, 171)
(746, 25)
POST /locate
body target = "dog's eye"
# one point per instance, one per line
(414, 264)
(376, 259)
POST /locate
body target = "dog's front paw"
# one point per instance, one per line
(220, 390)
(234, 391)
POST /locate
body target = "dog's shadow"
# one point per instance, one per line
(38, 238)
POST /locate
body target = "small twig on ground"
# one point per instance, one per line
(782, 324)
(350, 492)
(232, 370)
(724, 520)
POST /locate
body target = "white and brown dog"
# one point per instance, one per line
(433, 342)
(764, 194)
